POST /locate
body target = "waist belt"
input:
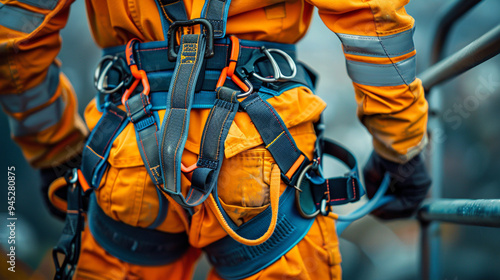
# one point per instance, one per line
(140, 246)
(152, 58)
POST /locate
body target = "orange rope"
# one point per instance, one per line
(275, 193)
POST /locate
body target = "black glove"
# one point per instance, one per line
(49, 175)
(409, 184)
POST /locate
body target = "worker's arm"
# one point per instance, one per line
(377, 39)
(38, 99)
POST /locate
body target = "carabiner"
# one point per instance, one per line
(278, 75)
(228, 71)
(100, 76)
(244, 85)
(139, 75)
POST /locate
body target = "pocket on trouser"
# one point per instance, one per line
(126, 192)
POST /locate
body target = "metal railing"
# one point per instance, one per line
(479, 212)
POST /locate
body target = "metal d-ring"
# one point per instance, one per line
(278, 75)
(99, 77)
(297, 195)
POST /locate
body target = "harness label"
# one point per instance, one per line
(188, 55)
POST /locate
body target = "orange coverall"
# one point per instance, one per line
(41, 106)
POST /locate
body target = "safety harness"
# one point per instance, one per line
(227, 75)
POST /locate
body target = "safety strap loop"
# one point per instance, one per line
(70, 240)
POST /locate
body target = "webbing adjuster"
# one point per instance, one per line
(172, 30)
(311, 167)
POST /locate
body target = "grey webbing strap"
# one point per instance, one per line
(215, 11)
(174, 129)
(139, 112)
(214, 134)
(172, 10)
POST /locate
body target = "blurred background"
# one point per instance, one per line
(371, 249)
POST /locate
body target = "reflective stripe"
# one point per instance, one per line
(32, 98)
(44, 4)
(371, 74)
(380, 46)
(19, 19)
(39, 120)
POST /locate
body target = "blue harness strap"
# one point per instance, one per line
(140, 246)
(216, 11)
(145, 123)
(96, 150)
(173, 10)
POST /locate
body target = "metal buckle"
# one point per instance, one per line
(172, 30)
(107, 63)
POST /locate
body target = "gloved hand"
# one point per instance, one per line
(409, 184)
(49, 175)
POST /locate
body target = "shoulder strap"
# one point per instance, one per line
(215, 11)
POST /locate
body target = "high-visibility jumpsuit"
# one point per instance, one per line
(41, 106)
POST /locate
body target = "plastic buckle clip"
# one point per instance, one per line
(172, 30)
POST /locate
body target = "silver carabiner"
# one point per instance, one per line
(100, 77)
(248, 92)
(278, 75)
